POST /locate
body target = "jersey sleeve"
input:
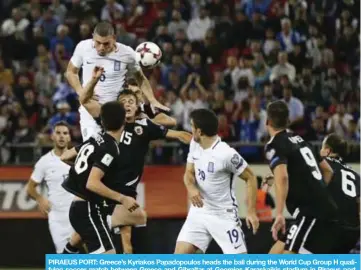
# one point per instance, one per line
(192, 146)
(104, 157)
(38, 174)
(156, 131)
(77, 58)
(133, 65)
(234, 163)
(275, 154)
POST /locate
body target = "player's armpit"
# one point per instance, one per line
(164, 120)
(72, 75)
(327, 171)
(281, 186)
(183, 136)
(95, 185)
(68, 155)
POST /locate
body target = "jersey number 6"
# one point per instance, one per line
(81, 162)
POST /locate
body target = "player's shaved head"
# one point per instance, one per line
(112, 115)
(104, 29)
(206, 121)
(277, 114)
(336, 145)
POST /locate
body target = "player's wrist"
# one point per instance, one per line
(121, 198)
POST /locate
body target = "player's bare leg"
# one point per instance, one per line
(112, 251)
(185, 248)
(126, 239)
(277, 248)
(121, 216)
(75, 242)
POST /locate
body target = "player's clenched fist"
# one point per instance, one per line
(97, 72)
(129, 203)
(44, 205)
(195, 197)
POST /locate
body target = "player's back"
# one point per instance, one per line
(99, 151)
(307, 190)
(345, 189)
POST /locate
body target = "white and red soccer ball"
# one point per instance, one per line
(148, 54)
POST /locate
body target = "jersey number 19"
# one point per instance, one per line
(81, 162)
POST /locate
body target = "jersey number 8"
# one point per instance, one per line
(311, 161)
(81, 162)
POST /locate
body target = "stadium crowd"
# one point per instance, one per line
(234, 56)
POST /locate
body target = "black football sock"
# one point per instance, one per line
(117, 241)
(69, 249)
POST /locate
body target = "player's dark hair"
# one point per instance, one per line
(128, 92)
(112, 115)
(337, 145)
(62, 124)
(277, 114)
(104, 29)
(206, 121)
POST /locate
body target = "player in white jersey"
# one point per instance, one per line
(118, 62)
(53, 171)
(212, 167)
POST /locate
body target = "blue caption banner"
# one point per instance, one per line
(203, 262)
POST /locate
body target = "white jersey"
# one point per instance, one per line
(116, 67)
(215, 169)
(53, 171)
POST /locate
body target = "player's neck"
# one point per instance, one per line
(115, 134)
(130, 119)
(207, 142)
(59, 151)
(274, 132)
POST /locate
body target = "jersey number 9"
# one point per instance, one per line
(81, 162)
(311, 161)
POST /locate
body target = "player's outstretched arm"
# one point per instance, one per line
(69, 155)
(72, 75)
(147, 90)
(251, 179)
(164, 120)
(190, 184)
(95, 185)
(183, 136)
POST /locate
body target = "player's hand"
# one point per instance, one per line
(160, 106)
(97, 72)
(195, 197)
(44, 205)
(129, 203)
(252, 220)
(268, 180)
(278, 225)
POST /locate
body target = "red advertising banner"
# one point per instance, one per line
(162, 194)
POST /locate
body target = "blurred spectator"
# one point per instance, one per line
(283, 68)
(260, 6)
(225, 130)
(49, 23)
(241, 29)
(297, 58)
(217, 104)
(258, 27)
(176, 23)
(178, 68)
(295, 106)
(261, 72)
(176, 106)
(59, 10)
(288, 38)
(45, 79)
(135, 16)
(163, 35)
(6, 74)
(270, 42)
(63, 114)
(62, 38)
(198, 27)
(340, 121)
(124, 37)
(193, 95)
(109, 9)
(31, 107)
(16, 25)
(352, 133)
(160, 21)
(268, 96)
(85, 31)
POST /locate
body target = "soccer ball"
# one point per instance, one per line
(148, 54)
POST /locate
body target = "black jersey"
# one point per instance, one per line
(99, 151)
(345, 189)
(134, 145)
(307, 191)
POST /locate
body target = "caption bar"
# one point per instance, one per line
(203, 262)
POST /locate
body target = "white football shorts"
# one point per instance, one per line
(60, 229)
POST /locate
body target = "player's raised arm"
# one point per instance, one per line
(72, 71)
(164, 120)
(183, 136)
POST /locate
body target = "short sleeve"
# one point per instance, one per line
(275, 155)
(103, 158)
(133, 65)
(38, 174)
(234, 162)
(192, 146)
(77, 58)
(156, 131)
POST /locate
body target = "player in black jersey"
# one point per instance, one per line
(345, 189)
(89, 180)
(300, 184)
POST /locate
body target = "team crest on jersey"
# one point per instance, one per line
(116, 65)
(235, 159)
(138, 130)
(211, 167)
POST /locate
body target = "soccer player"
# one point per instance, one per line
(53, 171)
(212, 167)
(118, 62)
(89, 180)
(301, 185)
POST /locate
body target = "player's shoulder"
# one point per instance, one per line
(44, 159)
(104, 141)
(85, 45)
(126, 53)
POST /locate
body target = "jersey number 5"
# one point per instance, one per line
(81, 162)
(348, 185)
(311, 161)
